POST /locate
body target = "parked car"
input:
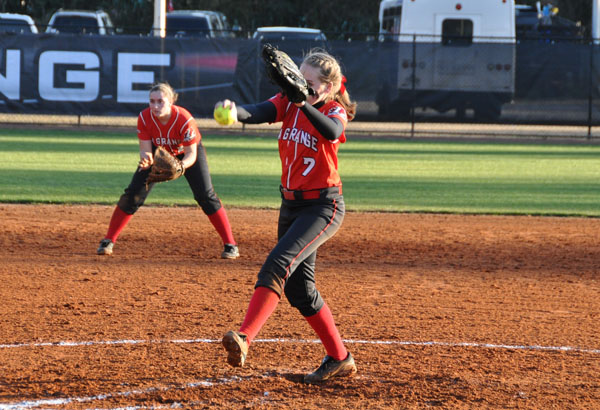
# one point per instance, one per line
(225, 29)
(80, 21)
(282, 33)
(197, 23)
(17, 23)
(531, 26)
(526, 18)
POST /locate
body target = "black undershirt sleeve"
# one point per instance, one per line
(330, 128)
(257, 113)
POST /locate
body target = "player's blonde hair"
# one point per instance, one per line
(331, 72)
(167, 90)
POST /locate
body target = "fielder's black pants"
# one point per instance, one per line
(197, 176)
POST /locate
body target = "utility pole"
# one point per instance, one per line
(596, 21)
(160, 18)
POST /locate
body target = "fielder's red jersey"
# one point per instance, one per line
(179, 131)
(308, 160)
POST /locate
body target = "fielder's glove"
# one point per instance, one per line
(284, 73)
(165, 167)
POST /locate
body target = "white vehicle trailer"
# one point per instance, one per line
(447, 54)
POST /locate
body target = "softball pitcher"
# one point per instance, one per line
(312, 210)
(165, 124)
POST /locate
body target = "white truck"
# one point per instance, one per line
(446, 55)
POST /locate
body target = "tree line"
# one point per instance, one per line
(349, 16)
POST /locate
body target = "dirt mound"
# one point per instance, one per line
(439, 311)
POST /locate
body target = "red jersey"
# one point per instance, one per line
(308, 160)
(179, 131)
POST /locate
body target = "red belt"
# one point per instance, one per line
(310, 194)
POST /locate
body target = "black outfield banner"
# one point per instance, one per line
(524, 82)
(110, 75)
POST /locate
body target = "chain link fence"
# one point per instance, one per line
(535, 88)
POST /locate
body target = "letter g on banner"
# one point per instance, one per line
(86, 82)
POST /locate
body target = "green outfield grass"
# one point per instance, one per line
(379, 175)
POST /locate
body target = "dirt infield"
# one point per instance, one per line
(440, 311)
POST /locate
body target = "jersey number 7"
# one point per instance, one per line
(310, 164)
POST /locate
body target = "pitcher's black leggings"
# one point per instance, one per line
(303, 226)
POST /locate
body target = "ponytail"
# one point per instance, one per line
(343, 97)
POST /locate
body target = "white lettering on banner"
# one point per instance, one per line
(82, 75)
(10, 85)
(90, 79)
(127, 76)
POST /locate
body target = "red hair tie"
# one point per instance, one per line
(343, 86)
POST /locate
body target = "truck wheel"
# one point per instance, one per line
(461, 112)
(384, 103)
(488, 112)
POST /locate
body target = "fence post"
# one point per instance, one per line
(413, 85)
(591, 84)
(259, 71)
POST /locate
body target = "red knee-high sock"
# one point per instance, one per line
(118, 221)
(324, 325)
(221, 223)
(263, 303)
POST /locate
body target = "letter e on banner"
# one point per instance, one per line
(127, 76)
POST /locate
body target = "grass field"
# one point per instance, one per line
(57, 166)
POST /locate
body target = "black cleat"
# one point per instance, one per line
(236, 345)
(230, 251)
(332, 368)
(106, 247)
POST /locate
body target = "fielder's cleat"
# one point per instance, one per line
(106, 247)
(236, 345)
(230, 251)
(332, 368)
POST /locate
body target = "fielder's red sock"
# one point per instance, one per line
(118, 221)
(324, 325)
(221, 223)
(263, 303)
